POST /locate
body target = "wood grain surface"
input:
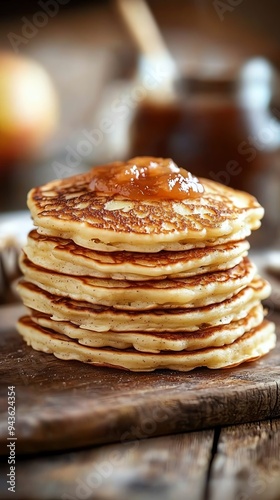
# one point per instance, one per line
(62, 405)
(247, 463)
(234, 463)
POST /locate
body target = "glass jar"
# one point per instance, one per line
(223, 129)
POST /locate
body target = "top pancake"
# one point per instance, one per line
(67, 208)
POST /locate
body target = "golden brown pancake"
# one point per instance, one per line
(156, 341)
(250, 346)
(69, 209)
(196, 291)
(102, 319)
(64, 256)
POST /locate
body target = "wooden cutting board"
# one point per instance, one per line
(63, 405)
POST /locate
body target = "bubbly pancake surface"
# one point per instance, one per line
(69, 209)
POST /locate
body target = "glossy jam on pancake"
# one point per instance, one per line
(144, 178)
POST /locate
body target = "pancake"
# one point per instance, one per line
(104, 319)
(141, 266)
(156, 342)
(64, 256)
(250, 346)
(196, 291)
(69, 209)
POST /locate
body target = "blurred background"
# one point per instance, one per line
(84, 83)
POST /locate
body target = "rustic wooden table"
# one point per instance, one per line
(236, 463)
(239, 462)
(229, 463)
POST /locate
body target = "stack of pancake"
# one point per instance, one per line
(143, 284)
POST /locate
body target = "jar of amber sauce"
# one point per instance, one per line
(222, 128)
